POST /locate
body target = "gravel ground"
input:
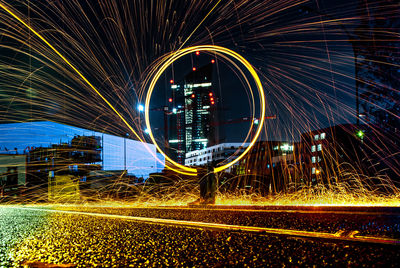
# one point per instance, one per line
(103, 242)
(383, 225)
(16, 225)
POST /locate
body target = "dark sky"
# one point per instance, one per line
(306, 66)
(308, 82)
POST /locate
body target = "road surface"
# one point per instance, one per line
(183, 236)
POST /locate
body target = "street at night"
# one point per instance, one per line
(37, 235)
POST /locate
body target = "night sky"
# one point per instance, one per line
(307, 67)
(328, 100)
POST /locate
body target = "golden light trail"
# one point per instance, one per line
(289, 54)
(301, 210)
(195, 29)
(72, 66)
(168, 60)
(227, 227)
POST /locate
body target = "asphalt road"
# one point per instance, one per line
(94, 241)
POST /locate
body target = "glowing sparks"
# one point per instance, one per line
(311, 55)
(72, 66)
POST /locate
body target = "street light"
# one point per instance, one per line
(126, 136)
(140, 107)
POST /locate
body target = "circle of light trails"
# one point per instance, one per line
(229, 227)
(168, 61)
(171, 58)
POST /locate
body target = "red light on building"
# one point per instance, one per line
(212, 99)
(171, 81)
(197, 53)
(212, 61)
(212, 103)
(210, 94)
(193, 96)
(170, 99)
(194, 69)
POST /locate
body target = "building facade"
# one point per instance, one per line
(348, 152)
(220, 153)
(193, 105)
(330, 154)
(269, 167)
(110, 152)
(12, 172)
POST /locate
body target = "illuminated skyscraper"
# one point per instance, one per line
(193, 109)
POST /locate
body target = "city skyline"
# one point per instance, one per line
(186, 133)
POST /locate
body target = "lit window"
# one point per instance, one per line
(313, 159)
(319, 147)
(313, 148)
(313, 170)
(285, 147)
(319, 159)
(316, 137)
(323, 136)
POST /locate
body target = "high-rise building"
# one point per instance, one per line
(193, 105)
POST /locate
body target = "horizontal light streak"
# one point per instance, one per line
(254, 229)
